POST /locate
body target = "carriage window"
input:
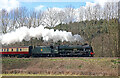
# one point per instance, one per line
(20, 49)
(4, 49)
(7, 49)
(12, 50)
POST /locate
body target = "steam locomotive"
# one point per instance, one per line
(47, 51)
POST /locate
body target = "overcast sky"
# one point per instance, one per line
(43, 4)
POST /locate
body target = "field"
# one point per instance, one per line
(61, 66)
(59, 77)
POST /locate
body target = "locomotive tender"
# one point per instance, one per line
(47, 51)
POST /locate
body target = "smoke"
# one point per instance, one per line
(26, 34)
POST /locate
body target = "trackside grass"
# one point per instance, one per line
(61, 66)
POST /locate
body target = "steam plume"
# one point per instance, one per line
(26, 34)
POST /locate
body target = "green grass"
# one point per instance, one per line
(39, 75)
(52, 76)
(15, 60)
(79, 58)
(115, 61)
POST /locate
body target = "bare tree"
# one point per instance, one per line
(29, 25)
(0, 22)
(89, 13)
(39, 18)
(50, 17)
(21, 14)
(114, 9)
(13, 15)
(96, 14)
(81, 14)
(4, 20)
(69, 14)
(61, 16)
(33, 17)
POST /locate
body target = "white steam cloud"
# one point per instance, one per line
(25, 33)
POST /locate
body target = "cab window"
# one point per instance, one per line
(87, 49)
(81, 49)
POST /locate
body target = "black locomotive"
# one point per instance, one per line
(48, 51)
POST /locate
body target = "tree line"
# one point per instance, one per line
(51, 17)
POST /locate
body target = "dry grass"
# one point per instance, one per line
(59, 77)
(62, 66)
